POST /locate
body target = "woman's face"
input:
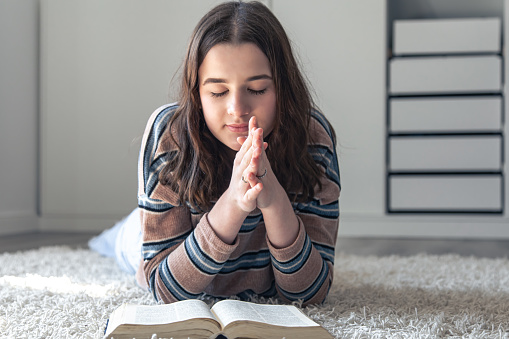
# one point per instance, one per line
(235, 84)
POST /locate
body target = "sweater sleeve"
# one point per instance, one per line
(179, 263)
(304, 270)
(179, 260)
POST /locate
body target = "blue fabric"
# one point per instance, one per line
(105, 242)
(122, 242)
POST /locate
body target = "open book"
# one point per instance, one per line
(194, 319)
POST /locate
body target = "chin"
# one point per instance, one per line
(235, 148)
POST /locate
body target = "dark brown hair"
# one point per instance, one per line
(201, 167)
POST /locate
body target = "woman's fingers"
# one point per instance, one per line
(249, 195)
(253, 168)
(250, 154)
(250, 166)
(244, 149)
(252, 194)
(246, 167)
(253, 123)
(241, 140)
(258, 149)
(251, 179)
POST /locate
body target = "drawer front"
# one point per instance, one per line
(445, 193)
(445, 75)
(434, 36)
(477, 114)
(471, 153)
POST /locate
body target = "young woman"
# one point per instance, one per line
(239, 181)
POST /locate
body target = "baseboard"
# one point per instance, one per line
(73, 223)
(18, 222)
(362, 226)
(453, 227)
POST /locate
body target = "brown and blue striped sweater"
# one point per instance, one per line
(183, 257)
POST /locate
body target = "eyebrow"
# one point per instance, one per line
(223, 81)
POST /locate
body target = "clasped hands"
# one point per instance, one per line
(251, 168)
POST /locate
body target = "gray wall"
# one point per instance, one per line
(358, 104)
(18, 115)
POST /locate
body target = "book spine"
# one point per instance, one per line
(106, 327)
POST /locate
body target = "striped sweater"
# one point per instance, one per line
(183, 257)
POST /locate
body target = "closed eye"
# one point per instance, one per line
(218, 95)
(260, 92)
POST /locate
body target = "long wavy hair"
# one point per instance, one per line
(201, 167)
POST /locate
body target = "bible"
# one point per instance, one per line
(229, 318)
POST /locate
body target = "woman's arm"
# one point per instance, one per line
(179, 261)
(272, 200)
(302, 237)
(304, 270)
(235, 204)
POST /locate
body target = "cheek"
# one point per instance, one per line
(205, 102)
(208, 103)
(210, 119)
(209, 111)
(269, 115)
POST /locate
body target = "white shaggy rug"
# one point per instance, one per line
(59, 292)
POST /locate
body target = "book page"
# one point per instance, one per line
(228, 311)
(115, 319)
(166, 314)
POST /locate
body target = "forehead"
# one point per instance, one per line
(234, 59)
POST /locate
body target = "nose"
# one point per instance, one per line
(237, 106)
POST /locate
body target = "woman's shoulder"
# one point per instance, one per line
(156, 129)
(167, 109)
(321, 129)
(159, 119)
(156, 151)
(323, 148)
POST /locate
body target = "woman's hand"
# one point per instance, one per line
(258, 172)
(280, 220)
(245, 191)
(244, 185)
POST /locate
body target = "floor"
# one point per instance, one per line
(33, 240)
(358, 246)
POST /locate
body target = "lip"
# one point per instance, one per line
(238, 128)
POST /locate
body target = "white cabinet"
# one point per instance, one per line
(445, 193)
(445, 75)
(446, 114)
(447, 36)
(446, 153)
(445, 139)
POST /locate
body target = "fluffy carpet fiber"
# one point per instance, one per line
(59, 292)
